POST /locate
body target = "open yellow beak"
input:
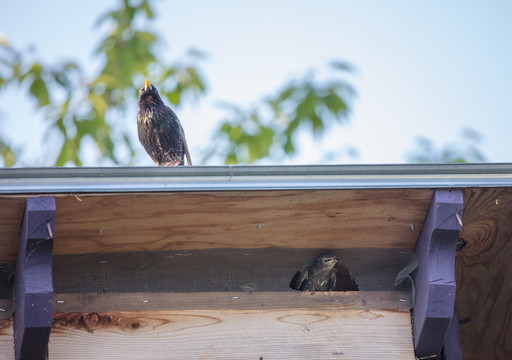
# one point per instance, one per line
(146, 84)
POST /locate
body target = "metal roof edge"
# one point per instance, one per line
(213, 178)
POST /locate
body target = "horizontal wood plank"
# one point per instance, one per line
(226, 219)
(236, 300)
(284, 334)
(276, 334)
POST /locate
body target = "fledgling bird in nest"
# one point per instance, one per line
(160, 130)
(321, 276)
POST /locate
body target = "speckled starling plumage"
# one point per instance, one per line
(321, 276)
(160, 131)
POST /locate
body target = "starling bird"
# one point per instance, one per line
(321, 276)
(160, 130)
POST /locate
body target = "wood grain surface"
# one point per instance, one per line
(280, 334)
(484, 274)
(233, 300)
(226, 334)
(7, 339)
(226, 219)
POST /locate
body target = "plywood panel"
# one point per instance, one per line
(230, 219)
(484, 274)
(284, 334)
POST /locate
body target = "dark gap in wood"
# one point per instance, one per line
(6, 291)
(214, 270)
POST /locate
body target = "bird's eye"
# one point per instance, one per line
(326, 260)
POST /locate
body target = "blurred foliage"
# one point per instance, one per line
(464, 149)
(269, 128)
(7, 154)
(78, 107)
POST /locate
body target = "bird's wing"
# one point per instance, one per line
(185, 146)
(298, 280)
(181, 132)
(331, 285)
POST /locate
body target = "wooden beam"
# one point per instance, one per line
(484, 274)
(33, 280)
(435, 277)
(231, 334)
(93, 223)
(233, 300)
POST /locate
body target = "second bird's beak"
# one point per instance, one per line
(146, 84)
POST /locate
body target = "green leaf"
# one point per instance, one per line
(342, 65)
(146, 37)
(174, 97)
(66, 153)
(235, 134)
(335, 103)
(288, 145)
(7, 154)
(39, 90)
(147, 9)
(98, 103)
(231, 158)
(196, 53)
(286, 93)
(108, 80)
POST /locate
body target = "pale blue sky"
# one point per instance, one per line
(425, 68)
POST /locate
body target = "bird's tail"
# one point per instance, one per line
(187, 154)
(185, 146)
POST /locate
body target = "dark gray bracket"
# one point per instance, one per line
(33, 288)
(435, 277)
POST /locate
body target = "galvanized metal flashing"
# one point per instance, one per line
(222, 178)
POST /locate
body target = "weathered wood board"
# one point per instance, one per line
(276, 334)
(484, 274)
(226, 219)
(233, 300)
